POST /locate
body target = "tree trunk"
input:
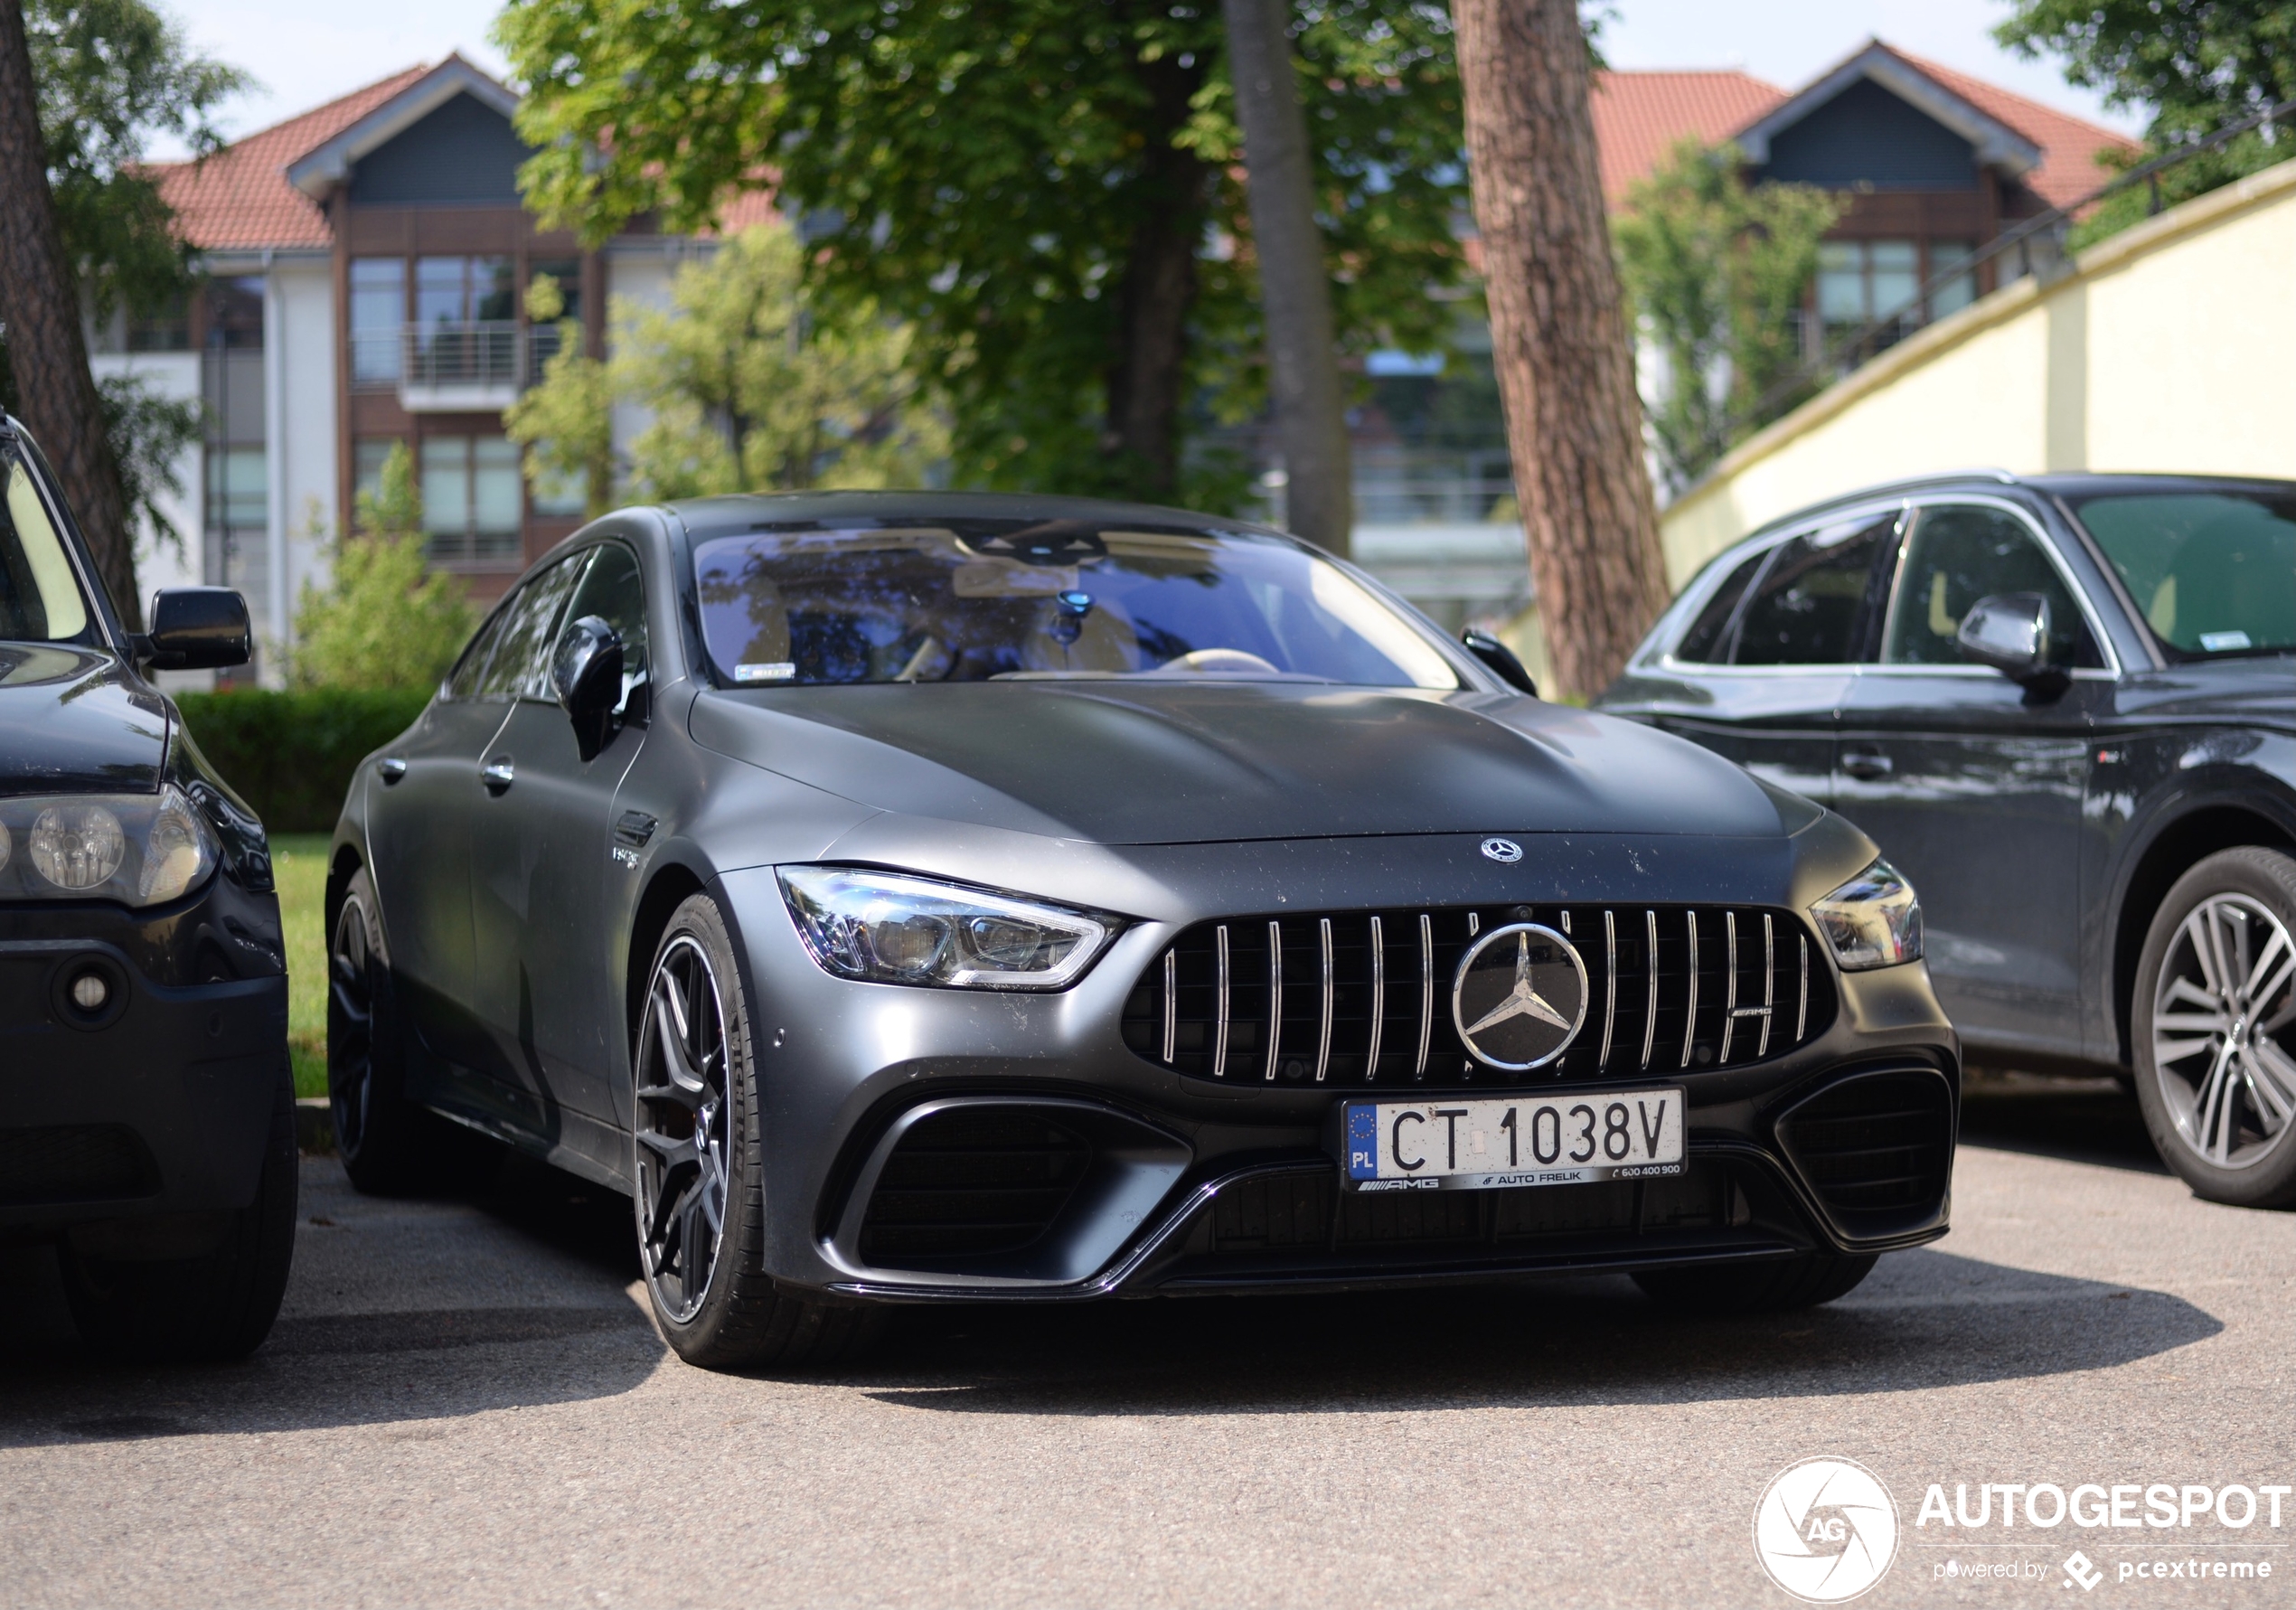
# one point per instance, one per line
(48, 351)
(1147, 380)
(1558, 334)
(1296, 294)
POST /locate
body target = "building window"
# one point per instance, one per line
(378, 314)
(470, 498)
(1958, 292)
(464, 290)
(1859, 281)
(562, 497)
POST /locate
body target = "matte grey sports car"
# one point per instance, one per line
(915, 896)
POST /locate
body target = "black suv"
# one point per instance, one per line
(2065, 706)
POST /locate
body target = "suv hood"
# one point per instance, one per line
(73, 722)
(1134, 762)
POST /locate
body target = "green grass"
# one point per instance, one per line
(300, 863)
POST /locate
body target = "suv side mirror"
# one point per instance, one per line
(586, 672)
(197, 628)
(2010, 633)
(1500, 658)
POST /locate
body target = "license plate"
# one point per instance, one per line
(1492, 1143)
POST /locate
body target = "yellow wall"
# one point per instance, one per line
(2170, 346)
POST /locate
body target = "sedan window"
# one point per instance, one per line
(611, 590)
(39, 599)
(1708, 638)
(1812, 598)
(975, 601)
(2212, 573)
(518, 667)
(1959, 554)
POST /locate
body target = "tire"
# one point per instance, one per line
(698, 1163)
(2212, 1028)
(210, 1308)
(1777, 1287)
(389, 1145)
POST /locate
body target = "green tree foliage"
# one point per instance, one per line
(112, 74)
(2197, 66)
(1045, 191)
(1713, 269)
(745, 389)
(566, 421)
(385, 620)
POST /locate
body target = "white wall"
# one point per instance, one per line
(302, 459)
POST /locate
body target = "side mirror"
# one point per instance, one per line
(586, 672)
(2010, 633)
(1500, 658)
(197, 628)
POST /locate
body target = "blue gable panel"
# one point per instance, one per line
(1865, 135)
(464, 152)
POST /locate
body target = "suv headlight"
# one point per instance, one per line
(144, 849)
(1874, 920)
(890, 928)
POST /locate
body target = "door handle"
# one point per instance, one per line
(392, 767)
(1866, 764)
(497, 774)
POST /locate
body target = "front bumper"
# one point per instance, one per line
(155, 1108)
(1176, 1183)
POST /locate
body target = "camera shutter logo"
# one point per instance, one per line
(1826, 1530)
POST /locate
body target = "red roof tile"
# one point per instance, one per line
(1639, 117)
(2069, 147)
(239, 199)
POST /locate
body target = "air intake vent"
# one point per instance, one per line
(74, 1162)
(1876, 1148)
(1364, 997)
(972, 1182)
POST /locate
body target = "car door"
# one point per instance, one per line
(1972, 785)
(419, 839)
(1764, 665)
(542, 840)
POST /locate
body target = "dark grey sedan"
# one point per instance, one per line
(915, 896)
(2065, 707)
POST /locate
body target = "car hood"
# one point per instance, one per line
(73, 722)
(1137, 763)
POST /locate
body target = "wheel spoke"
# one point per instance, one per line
(672, 1151)
(2273, 1079)
(2177, 1050)
(2191, 994)
(2258, 990)
(690, 1099)
(2192, 1022)
(2204, 951)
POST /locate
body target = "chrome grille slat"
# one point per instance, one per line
(1316, 1006)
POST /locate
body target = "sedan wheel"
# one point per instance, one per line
(2215, 1022)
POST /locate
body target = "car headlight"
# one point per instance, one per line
(889, 928)
(144, 849)
(1874, 920)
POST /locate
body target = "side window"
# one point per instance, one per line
(612, 589)
(1706, 641)
(519, 666)
(1811, 602)
(1958, 554)
(462, 681)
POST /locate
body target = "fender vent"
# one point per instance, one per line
(74, 1162)
(972, 1182)
(1876, 1148)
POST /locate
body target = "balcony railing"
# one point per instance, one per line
(473, 366)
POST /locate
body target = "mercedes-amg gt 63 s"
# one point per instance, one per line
(923, 896)
(146, 1119)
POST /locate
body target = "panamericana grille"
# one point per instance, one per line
(1364, 997)
(1876, 1146)
(971, 1181)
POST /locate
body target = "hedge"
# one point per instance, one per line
(290, 755)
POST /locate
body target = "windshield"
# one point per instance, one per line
(2212, 573)
(39, 599)
(977, 600)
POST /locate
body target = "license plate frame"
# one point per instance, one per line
(1374, 1149)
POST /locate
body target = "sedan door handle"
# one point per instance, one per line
(497, 774)
(1866, 764)
(392, 767)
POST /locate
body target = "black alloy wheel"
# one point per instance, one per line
(2214, 1028)
(697, 1162)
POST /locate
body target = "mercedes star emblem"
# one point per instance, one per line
(1502, 850)
(1519, 996)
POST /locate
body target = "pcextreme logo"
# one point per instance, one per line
(1826, 1529)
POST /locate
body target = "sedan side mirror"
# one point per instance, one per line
(2010, 633)
(586, 672)
(197, 628)
(1500, 658)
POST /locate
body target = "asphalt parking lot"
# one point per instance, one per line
(464, 1404)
